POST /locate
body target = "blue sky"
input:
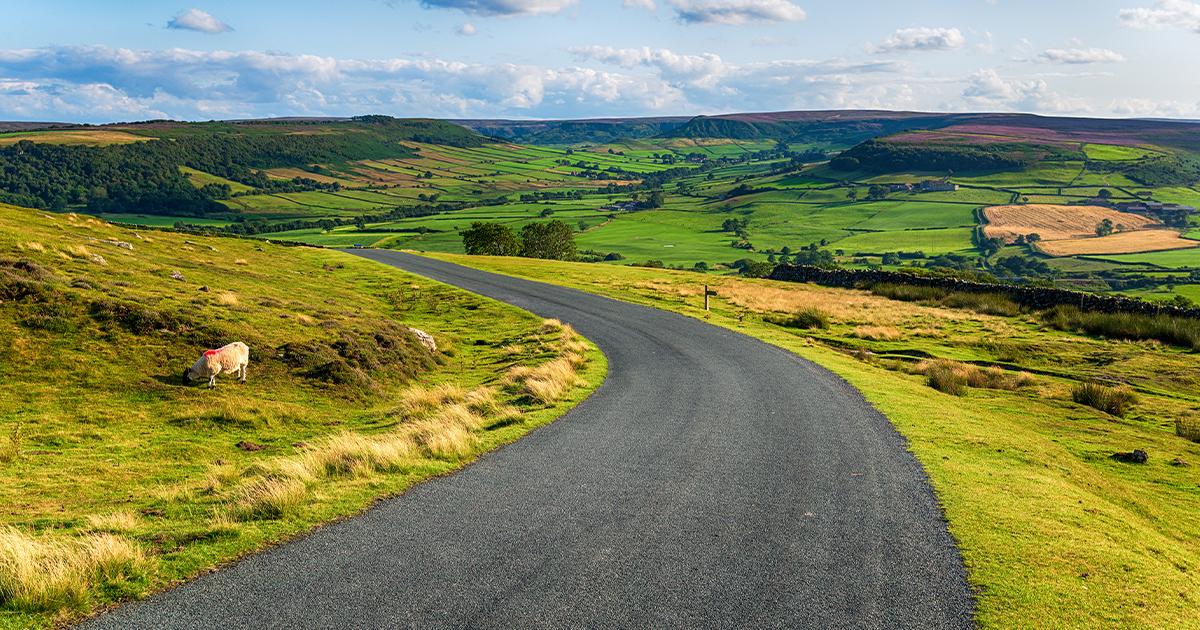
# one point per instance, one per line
(99, 62)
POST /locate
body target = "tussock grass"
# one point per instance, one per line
(1114, 400)
(878, 333)
(1180, 331)
(547, 382)
(49, 573)
(442, 440)
(268, 499)
(421, 400)
(986, 303)
(1188, 428)
(10, 451)
(227, 299)
(954, 377)
(805, 319)
(120, 522)
(350, 454)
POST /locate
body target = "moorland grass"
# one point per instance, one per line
(1181, 331)
(100, 441)
(1111, 399)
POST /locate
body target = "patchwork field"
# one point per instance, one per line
(1056, 222)
(1119, 243)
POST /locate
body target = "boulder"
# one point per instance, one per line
(1136, 456)
(425, 338)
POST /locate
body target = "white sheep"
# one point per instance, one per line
(226, 360)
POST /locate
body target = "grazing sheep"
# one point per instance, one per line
(227, 360)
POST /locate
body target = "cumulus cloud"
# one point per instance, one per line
(197, 20)
(466, 29)
(986, 89)
(736, 11)
(921, 38)
(649, 5)
(1164, 15)
(1079, 56)
(501, 7)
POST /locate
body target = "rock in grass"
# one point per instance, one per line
(1136, 456)
(425, 338)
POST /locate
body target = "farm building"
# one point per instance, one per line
(937, 185)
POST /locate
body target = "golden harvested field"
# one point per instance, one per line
(1054, 222)
(1119, 243)
(93, 137)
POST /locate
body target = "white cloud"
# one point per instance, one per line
(466, 29)
(648, 5)
(1079, 56)
(1166, 14)
(197, 20)
(921, 38)
(501, 7)
(988, 90)
(736, 11)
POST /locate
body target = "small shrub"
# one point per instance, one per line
(806, 318)
(1109, 399)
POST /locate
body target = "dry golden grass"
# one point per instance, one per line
(47, 573)
(227, 299)
(268, 498)
(547, 382)
(1119, 243)
(1055, 222)
(116, 522)
(441, 440)
(878, 333)
(350, 454)
(33, 246)
(305, 319)
(240, 261)
(953, 377)
(421, 400)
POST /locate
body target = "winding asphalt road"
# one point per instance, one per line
(712, 481)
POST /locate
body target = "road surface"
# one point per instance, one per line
(712, 481)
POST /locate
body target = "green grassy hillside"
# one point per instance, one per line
(116, 479)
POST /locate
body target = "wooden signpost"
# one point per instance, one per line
(707, 292)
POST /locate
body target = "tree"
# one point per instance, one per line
(1104, 228)
(550, 239)
(844, 163)
(1104, 193)
(852, 194)
(490, 239)
(876, 192)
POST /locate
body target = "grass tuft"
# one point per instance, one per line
(1180, 331)
(45, 574)
(1188, 428)
(1114, 400)
(268, 499)
(805, 318)
(954, 377)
